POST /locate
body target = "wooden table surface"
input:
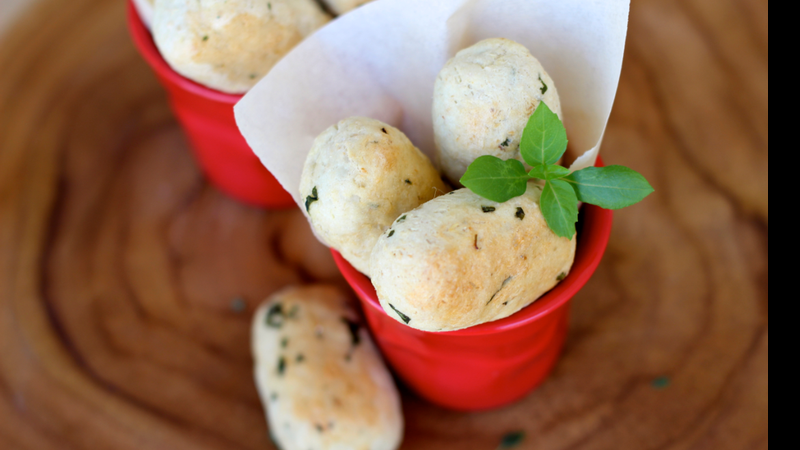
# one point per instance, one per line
(119, 264)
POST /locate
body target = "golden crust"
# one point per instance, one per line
(449, 265)
(365, 174)
(319, 376)
(229, 45)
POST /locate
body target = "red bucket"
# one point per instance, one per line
(207, 119)
(492, 364)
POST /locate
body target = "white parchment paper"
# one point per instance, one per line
(382, 59)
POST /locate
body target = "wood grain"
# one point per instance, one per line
(119, 264)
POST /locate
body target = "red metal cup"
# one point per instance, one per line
(492, 364)
(207, 119)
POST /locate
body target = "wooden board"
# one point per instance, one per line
(120, 265)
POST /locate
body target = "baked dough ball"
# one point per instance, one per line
(145, 10)
(322, 381)
(358, 178)
(229, 45)
(340, 7)
(482, 100)
(460, 261)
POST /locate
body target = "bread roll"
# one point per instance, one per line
(359, 176)
(482, 100)
(460, 261)
(229, 45)
(322, 382)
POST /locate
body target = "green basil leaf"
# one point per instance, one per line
(560, 207)
(495, 179)
(544, 139)
(612, 187)
(551, 172)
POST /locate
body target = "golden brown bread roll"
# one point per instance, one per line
(360, 175)
(461, 260)
(482, 101)
(322, 381)
(229, 45)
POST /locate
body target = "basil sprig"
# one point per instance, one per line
(543, 143)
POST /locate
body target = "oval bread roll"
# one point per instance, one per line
(460, 261)
(482, 100)
(359, 176)
(340, 7)
(322, 382)
(229, 45)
